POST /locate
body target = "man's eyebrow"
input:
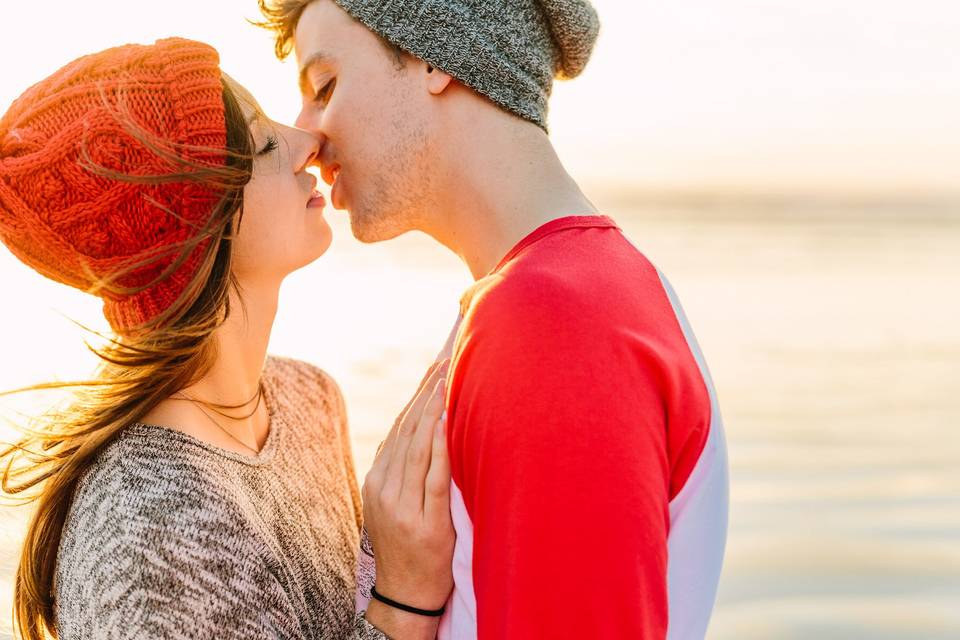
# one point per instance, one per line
(320, 57)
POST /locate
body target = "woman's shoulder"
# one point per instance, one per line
(299, 372)
(151, 532)
(148, 475)
(304, 383)
(148, 491)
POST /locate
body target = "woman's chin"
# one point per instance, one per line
(308, 253)
(321, 245)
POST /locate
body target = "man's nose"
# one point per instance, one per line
(309, 120)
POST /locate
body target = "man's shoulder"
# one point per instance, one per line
(550, 285)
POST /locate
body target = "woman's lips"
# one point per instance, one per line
(316, 200)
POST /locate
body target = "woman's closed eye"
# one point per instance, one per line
(269, 147)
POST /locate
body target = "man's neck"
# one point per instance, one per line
(499, 193)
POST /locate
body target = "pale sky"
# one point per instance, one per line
(813, 96)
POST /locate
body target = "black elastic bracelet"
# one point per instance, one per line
(436, 613)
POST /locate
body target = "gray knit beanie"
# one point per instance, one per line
(507, 50)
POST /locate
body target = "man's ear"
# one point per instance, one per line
(437, 81)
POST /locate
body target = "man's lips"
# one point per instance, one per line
(329, 173)
(336, 195)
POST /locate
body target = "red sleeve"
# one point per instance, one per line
(558, 445)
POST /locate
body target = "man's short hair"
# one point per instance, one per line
(281, 17)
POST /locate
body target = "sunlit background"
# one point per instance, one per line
(792, 165)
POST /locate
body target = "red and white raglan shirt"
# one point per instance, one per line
(590, 487)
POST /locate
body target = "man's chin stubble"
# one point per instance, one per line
(371, 229)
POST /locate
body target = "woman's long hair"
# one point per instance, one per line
(135, 373)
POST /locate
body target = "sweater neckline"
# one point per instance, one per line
(267, 451)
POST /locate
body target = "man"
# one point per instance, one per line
(589, 469)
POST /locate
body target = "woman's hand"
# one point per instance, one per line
(406, 509)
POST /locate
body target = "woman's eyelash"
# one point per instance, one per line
(271, 146)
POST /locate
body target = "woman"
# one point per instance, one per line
(196, 487)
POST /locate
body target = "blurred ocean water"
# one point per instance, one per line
(833, 340)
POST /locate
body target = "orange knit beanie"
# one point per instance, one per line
(63, 217)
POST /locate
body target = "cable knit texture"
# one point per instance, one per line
(62, 217)
(170, 537)
(507, 50)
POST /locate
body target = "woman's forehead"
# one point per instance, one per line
(251, 108)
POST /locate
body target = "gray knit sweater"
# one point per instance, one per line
(170, 537)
